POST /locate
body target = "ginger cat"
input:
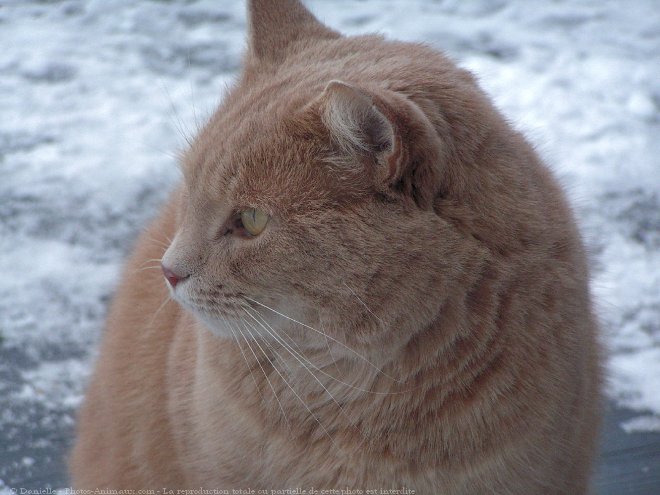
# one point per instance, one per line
(375, 284)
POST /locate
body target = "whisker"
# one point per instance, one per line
(270, 346)
(272, 332)
(151, 260)
(296, 394)
(264, 371)
(159, 242)
(332, 356)
(153, 318)
(168, 154)
(154, 267)
(198, 127)
(365, 305)
(328, 336)
(293, 353)
(280, 339)
(185, 133)
(264, 321)
(231, 329)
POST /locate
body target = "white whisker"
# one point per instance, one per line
(153, 318)
(155, 267)
(159, 242)
(263, 370)
(327, 345)
(151, 260)
(179, 124)
(295, 355)
(296, 394)
(256, 385)
(291, 350)
(328, 336)
(365, 305)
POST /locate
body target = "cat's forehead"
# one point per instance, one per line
(264, 163)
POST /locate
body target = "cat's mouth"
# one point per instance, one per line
(213, 301)
(225, 313)
(221, 315)
(233, 314)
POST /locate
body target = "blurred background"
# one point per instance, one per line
(97, 97)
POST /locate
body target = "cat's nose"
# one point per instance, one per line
(172, 277)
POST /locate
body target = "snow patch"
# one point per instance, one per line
(641, 424)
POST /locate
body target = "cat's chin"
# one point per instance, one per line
(219, 328)
(224, 326)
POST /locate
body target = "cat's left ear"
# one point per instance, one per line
(389, 135)
(275, 26)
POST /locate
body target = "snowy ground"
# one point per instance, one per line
(97, 96)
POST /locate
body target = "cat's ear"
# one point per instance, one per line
(387, 133)
(354, 120)
(275, 24)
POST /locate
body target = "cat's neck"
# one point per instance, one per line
(317, 389)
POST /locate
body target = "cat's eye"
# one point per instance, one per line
(254, 220)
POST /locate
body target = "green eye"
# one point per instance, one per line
(254, 220)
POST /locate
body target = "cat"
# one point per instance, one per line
(369, 281)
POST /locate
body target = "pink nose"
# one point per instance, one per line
(171, 277)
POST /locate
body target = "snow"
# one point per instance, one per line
(641, 424)
(97, 97)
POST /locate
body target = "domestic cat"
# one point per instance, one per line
(375, 284)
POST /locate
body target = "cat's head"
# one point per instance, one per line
(310, 193)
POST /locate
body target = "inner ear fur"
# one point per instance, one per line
(388, 133)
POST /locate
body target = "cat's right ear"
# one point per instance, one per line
(276, 25)
(386, 133)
